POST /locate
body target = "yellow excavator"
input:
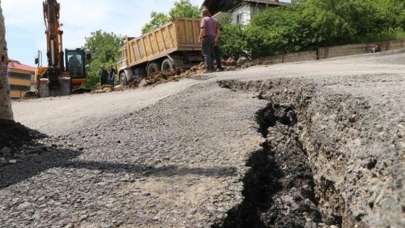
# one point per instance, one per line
(66, 71)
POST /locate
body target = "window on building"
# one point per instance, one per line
(239, 18)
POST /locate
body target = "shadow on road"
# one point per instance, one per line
(65, 158)
(44, 157)
(34, 165)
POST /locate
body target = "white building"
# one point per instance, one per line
(243, 12)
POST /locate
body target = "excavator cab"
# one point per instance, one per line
(76, 60)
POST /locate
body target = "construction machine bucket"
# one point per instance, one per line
(62, 88)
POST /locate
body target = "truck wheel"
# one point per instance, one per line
(123, 79)
(167, 67)
(152, 69)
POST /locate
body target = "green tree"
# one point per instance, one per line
(275, 31)
(181, 8)
(308, 24)
(104, 48)
(157, 20)
(343, 21)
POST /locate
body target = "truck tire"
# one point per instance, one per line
(152, 69)
(168, 67)
(123, 79)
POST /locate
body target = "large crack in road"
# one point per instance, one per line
(308, 153)
(279, 190)
(325, 169)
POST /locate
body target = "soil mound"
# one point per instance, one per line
(14, 136)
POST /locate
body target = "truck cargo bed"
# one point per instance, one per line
(180, 35)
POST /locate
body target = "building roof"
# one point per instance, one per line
(214, 6)
(16, 65)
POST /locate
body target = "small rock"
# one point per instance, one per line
(70, 225)
(242, 61)
(24, 206)
(353, 118)
(12, 161)
(143, 83)
(83, 217)
(6, 151)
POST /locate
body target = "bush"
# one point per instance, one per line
(233, 41)
(275, 31)
(334, 22)
(308, 24)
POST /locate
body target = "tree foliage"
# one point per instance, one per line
(181, 8)
(105, 50)
(233, 41)
(307, 24)
(157, 20)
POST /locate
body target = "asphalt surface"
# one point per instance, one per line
(60, 115)
(172, 155)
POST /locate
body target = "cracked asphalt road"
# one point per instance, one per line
(169, 156)
(177, 162)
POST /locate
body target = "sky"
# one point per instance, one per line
(26, 30)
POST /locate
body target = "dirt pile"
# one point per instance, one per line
(16, 141)
(159, 78)
(178, 74)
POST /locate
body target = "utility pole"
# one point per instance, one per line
(5, 104)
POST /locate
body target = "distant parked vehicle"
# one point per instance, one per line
(171, 47)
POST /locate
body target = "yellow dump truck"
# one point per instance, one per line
(170, 47)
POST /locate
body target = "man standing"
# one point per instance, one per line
(112, 73)
(5, 105)
(103, 74)
(217, 49)
(207, 38)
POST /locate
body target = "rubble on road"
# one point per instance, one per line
(176, 75)
(179, 74)
(103, 89)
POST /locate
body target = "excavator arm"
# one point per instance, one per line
(54, 42)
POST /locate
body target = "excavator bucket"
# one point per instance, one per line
(61, 87)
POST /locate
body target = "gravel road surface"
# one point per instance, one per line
(58, 116)
(174, 155)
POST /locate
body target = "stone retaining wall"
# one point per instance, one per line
(332, 52)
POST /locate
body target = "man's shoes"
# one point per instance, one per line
(219, 69)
